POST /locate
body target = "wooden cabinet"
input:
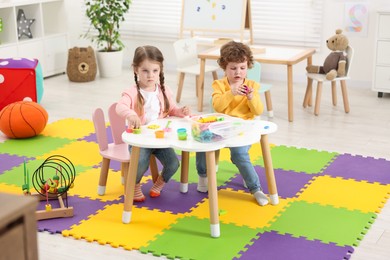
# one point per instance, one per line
(49, 42)
(18, 227)
(381, 75)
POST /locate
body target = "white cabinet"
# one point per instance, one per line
(381, 82)
(49, 42)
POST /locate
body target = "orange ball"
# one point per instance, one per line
(23, 119)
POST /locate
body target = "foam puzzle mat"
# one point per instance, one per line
(322, 214)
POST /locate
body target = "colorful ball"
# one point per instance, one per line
(23, 119)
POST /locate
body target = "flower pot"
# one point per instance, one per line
(110, 63)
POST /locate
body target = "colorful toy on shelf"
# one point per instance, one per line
(53, 178)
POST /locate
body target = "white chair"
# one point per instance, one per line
(188, 62)
(320, 78)
(255, 74)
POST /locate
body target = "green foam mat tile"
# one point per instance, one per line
(34, 146)
(325, 223)
(299, 159)
(189, 238)
(15, 176)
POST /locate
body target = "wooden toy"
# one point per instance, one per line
(52, 180)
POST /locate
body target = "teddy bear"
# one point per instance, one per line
(335, 64)
(81, 65)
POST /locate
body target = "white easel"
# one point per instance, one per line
(229, 17)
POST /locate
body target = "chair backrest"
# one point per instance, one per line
(100, 128)
(186, 52)
(350, 53)
(118, 124)
(254, 73)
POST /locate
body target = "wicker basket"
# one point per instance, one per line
(81, 65)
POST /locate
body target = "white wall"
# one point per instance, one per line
(361, 72)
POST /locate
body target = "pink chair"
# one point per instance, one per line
(118, 150)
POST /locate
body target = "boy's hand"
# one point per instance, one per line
(134, 121)
(249, 93)
(239, 90)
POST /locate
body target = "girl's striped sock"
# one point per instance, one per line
(157, 187)
(138, 195)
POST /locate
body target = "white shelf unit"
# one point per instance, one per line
(49, 43)
(381, 82)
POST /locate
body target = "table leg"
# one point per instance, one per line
(200, 85)
(185, 157)
(269, 170)
(310, 81)
(130, 182)
(213, 194)
(290, 93)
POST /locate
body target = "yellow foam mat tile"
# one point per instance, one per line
(106, 227)
(346, 193)
(86, 185)
(12, 189)
(69, 128)
(254, 152)
(79, 153)
(241, 209)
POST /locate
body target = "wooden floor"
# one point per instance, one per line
(364, 131)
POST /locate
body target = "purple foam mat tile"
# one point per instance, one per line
(360, 168)
(7, 161)
(288, 183)
(92, 137)
(271, 245)
(171, 199)
(82, 208)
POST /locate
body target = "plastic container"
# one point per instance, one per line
(159, 133)
(214, 127)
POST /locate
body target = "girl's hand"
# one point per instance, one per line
(134, 121)
(185, 110)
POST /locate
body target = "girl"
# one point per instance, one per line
(236, 96)
(148, 100)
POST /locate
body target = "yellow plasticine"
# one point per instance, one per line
(153, 126)
(208, 119)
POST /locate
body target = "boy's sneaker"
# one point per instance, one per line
(202, 184)
(261, 198)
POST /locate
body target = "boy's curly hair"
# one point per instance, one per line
(235, 52)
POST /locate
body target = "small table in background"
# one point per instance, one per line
(271, 55)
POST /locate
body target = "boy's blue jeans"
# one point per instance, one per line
(166, 156)
(240, 157)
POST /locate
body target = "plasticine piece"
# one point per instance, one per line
(137, 131)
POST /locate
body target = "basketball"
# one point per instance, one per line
(23, 119)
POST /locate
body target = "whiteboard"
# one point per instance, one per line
(214, 15)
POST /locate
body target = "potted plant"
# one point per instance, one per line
(105, 18)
